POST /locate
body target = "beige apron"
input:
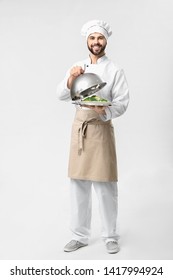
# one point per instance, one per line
(92, 150)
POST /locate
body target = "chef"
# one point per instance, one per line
(92, 159)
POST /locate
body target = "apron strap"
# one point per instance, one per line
(82, 134)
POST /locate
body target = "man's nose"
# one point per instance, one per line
(96, 41)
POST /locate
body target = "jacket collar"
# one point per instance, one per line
(100, 60)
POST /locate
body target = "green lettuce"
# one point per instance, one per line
(94, 98)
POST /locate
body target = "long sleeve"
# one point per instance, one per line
(120, 97)
(63, 92)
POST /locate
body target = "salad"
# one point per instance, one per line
(94, 98)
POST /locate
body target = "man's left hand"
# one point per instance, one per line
(98, 109)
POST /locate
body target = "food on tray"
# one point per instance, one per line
(94, 98)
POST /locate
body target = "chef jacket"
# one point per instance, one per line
(116, 89)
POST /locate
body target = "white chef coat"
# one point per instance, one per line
(116, 89)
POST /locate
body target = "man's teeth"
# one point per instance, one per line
(96, 47)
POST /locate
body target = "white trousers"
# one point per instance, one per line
(81, 207)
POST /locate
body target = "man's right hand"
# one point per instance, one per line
(74, 73)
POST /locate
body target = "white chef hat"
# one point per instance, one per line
(99, 26)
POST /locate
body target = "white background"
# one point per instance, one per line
(39, 40)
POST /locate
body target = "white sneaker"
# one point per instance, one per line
(112, 247)
(73, 245)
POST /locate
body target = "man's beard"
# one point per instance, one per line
(97, 49)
